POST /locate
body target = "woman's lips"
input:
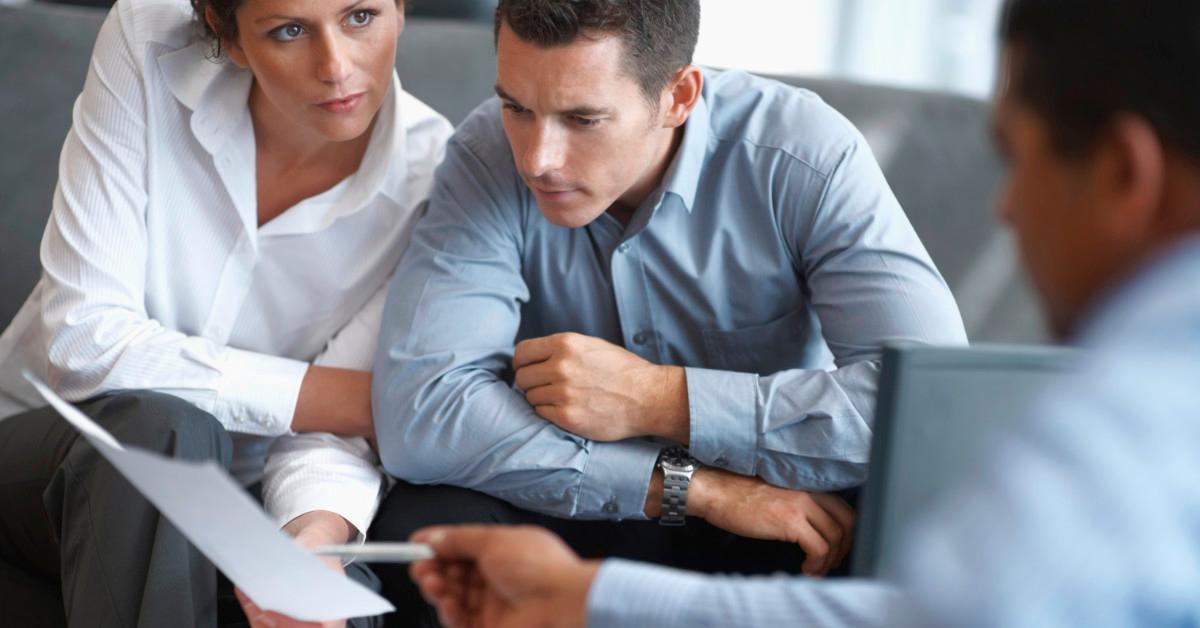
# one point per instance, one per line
(343, 105)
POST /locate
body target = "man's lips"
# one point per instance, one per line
(552, 193)
(343, 105)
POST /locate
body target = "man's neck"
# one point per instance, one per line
(626, 206)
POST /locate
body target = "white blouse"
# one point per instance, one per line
(157, 276)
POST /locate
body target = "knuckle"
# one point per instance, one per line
(559, 370)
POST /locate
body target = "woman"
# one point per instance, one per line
(237, 186)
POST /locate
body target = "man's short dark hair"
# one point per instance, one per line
(660, 35)
(1082, 63)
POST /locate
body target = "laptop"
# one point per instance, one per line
(936, 408)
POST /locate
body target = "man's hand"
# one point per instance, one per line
(503, 577)
(600, 391)
(822, 525)
(310, 530)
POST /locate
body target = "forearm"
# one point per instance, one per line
(799, 429)
(472, 430)
(335, 400)
(322, 472)
(628, 594)
(666, 401)
(701, 492)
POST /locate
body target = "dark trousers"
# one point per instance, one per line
(697, 546)
(80, 546)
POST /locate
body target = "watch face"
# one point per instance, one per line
(679, 459)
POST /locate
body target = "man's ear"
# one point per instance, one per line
(400, 17)
(681, 95)
(1130, 172)
(229, 46)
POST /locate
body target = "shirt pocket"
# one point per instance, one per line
(764, 349)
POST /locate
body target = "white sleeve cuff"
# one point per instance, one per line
(311, 472)
(258, 393)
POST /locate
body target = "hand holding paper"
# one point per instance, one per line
(224, 523)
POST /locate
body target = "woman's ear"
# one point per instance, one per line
(229, 46)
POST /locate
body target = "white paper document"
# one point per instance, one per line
(225, 523)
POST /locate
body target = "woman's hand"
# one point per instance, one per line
(310, 530)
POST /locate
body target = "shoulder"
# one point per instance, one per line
(482, 134)
(169, 23)
(426, 132)
(775, 117)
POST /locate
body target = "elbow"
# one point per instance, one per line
(417, 441)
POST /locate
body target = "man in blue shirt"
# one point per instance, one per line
(623, 251)
(1089, 513)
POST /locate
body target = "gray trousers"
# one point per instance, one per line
(79, 546)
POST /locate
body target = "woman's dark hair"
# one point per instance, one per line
(226, 19)
(1081, 63)
(660, 35)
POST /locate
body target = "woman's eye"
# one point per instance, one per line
(287, 32)
(361, 18)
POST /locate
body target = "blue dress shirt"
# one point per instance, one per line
(1089, 515)
(773, 262)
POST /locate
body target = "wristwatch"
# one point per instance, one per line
(677, 467)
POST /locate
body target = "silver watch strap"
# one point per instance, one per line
(674, 503)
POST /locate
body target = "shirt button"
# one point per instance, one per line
(610, 508)
(624, 248)
(641, 338)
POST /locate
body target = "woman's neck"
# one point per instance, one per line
(294, 164)
(288, 147)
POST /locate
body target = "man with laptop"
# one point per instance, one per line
(1087, 513)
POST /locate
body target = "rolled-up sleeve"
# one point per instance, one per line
(310, 472)
(446, 412)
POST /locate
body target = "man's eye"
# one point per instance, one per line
(586, 122)
(362, 18)
(515, 108)
(287, 32)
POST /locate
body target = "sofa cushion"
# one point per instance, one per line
(45, 49)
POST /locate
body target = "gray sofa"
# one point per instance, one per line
(933, 148)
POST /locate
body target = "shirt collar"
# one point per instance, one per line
(683, 176)
(1148, 296)
(383, 170)
(217, 92)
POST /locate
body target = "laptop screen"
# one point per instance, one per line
(936, 408)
